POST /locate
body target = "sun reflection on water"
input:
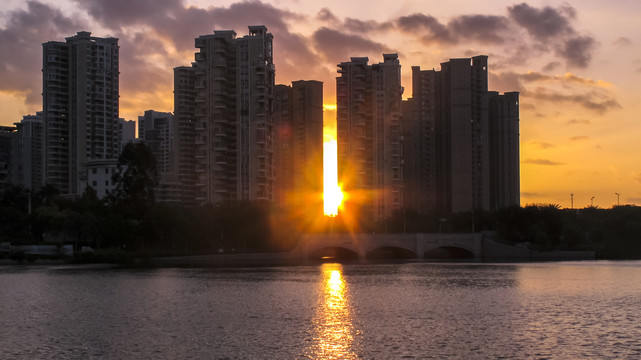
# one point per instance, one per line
(334, 332)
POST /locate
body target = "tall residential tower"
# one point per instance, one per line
(80, 108)
(298, 120)
(233, 116)
(370, 150)
(461, 141)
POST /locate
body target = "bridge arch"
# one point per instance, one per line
(390, 252)
(332, 252)
(449, 252)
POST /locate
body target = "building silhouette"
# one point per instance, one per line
(155, 129)
(420, 143)
(461, 141)
(369, 132)
(7, 151)
(298, 121)
(183, 162)
(27, 169)
(127, 132)
(505, 184)
(80, 108)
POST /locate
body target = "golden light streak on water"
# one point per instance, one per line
(332, 194)
(334, 331)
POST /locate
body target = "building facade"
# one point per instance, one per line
(457, 147)
(28, 156)
(7, 146)
(155, 129)
(80, 108)
(99, 174)
(232, 119)
(298, 121)
(420, 142)
(127, 130)
(183, 162)
(369, 131)
(504, 150)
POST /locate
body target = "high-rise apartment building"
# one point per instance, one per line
(80, 108)
(183, 162)
(420, 155)
(7, 146)
(284, 170)
(127, 131)
(505, 186)
(232, 120)
(156, 130)
(452, 165)
(462, 126)
(27, 155)
(298, 121)
(369, 129)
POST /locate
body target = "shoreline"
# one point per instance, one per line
(284, 259)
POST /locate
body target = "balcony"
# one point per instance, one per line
(200, 43)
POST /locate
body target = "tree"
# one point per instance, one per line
(135, 180)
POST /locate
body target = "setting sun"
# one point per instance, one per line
(332, 194)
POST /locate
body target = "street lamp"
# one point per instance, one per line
(571, 201)
(617, 194)
(592, 201)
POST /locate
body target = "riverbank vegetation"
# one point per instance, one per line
(130, 223)
(115, 227)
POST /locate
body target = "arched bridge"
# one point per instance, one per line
(477, 246)
(412, 245)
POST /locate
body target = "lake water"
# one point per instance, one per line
(381, 311)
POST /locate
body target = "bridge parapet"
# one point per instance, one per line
(362, 243)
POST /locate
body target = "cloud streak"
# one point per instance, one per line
(336, 46)
(542, 162)
(593, 95)
(591, 100)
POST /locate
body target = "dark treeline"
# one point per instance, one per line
(142, 226)
(129, 221)
(613, 233)
(149, 229)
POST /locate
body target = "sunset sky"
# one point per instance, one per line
(577, 65)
